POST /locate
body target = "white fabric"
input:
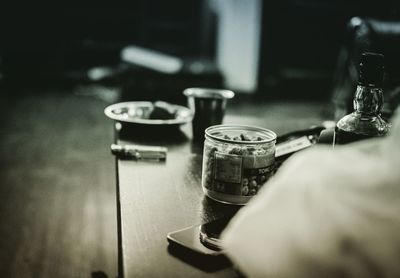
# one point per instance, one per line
(327, 213)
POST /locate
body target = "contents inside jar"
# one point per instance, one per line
(237, 166)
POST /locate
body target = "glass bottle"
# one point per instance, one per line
(365, 121)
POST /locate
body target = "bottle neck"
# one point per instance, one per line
(368, 100)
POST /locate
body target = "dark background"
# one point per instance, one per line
(300, 40)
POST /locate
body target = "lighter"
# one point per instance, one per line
(137, 152)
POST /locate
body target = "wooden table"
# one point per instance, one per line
(155, 198)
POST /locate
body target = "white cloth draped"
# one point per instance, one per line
(327, 213)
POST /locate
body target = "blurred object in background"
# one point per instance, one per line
(368, 35)
(151, 59)
(301, 40)
(283, 49)
(151, 75)
(58, 45)
(365, 121)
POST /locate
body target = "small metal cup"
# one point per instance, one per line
(208, 106)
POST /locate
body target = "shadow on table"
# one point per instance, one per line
(207, 263)
(98, 274)
(211, 210)
(148, 134)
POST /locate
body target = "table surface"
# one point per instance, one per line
(155, 198)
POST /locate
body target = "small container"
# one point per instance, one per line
(208, 106)
(237, 161)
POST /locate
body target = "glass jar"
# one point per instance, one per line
(237, 161)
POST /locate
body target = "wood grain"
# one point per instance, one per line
(158, 198)
(57, 187)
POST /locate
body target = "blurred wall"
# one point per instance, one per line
(238, 42)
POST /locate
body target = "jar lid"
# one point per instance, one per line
(240, 134)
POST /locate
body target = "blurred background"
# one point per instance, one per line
(60, 65)
(272, 48)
